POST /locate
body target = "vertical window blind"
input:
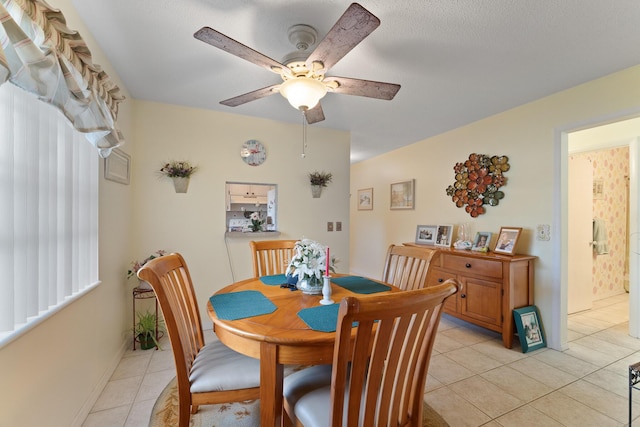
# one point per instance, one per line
(48, 212)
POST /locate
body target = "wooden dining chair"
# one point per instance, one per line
(206, 374)
(379, 367)
(406, 267)
(271, 256)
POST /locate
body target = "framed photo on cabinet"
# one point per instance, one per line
(443, 235)
(365, 199)
(402, 194)
(481, 242)
(426, 234)
(507, 240)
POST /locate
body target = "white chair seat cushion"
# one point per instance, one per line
(219, 368)
(309, 395)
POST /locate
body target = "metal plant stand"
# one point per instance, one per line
(634, 379)
(144, 294)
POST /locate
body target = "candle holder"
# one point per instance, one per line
(326, 291)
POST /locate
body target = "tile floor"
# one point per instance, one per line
(473, 380)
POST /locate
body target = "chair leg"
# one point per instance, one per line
(194, 408)
(286, 419)
(184, 416)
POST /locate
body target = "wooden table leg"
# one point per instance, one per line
(271, 376)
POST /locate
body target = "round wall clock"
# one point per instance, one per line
(253, 153)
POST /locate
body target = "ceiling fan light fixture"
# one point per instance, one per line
(303, 93)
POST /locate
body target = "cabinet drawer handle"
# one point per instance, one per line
(440, 280)
(467, 265)
(463, 296)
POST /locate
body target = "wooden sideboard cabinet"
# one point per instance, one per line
(492, 286)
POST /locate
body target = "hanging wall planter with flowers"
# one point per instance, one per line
(180, 172)
(478, 182)
(319, 180)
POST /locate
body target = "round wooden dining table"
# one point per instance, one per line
(278, 338)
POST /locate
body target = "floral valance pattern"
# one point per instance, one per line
(41, 55)
(478, 183)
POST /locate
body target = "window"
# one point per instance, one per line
(48, 212)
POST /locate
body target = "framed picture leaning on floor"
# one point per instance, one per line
(529, 328)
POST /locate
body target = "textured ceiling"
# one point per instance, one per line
(458, 61)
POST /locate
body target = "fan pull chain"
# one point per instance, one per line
(304, 135)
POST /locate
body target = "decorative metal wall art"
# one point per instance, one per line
(478, 182)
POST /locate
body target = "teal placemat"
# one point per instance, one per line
(360, 285)
(238, 305)
(322, 318)
(276, 279)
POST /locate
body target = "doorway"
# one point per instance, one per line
(629, 125)
(598, 204)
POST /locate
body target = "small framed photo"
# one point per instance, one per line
(598, 189)
(426, 234)
(529, 328)
(402, 194)
(444, 234)
(117, 167)
(365, 199)
(481, 242)
(507, 240)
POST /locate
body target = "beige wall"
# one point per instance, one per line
(194, 223)
(530, 136)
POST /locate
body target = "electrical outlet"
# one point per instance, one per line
(338, 225)
(543, 232)
(330, 226)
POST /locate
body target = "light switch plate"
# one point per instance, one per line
(543, 232)
(330, 226)
(338, 225)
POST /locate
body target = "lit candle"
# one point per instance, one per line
(328, 261)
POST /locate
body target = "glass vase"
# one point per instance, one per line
(310, 285)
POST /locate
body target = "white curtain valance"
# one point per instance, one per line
(41, 55)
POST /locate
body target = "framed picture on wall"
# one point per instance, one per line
(507, 240)
(117, 167)
(598, 189)
(530, 331)
(426, 234)
(402, 194)
(365, 199)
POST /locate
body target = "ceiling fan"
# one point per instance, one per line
(304, 80)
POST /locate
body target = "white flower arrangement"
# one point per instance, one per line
(256, 221)
(309, 259)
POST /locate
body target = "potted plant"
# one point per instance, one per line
(137, 265)
(256, 222)
(180, 172)
(145, 330)
(319, 180)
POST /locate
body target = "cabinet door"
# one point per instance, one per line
(481, 300)
(438, 276)
(260, 190)
(240, 189)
